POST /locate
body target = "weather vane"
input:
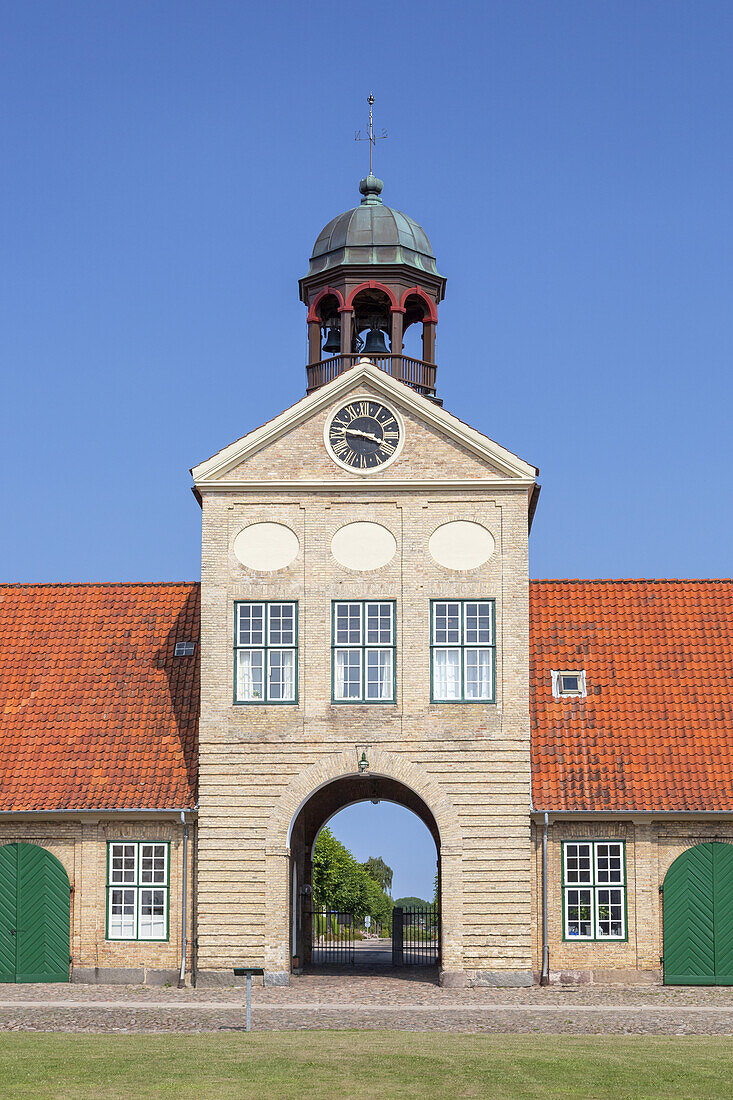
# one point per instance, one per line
(370, 136)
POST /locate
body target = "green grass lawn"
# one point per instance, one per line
(380, 1064)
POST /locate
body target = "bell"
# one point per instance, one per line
(375, 343)
(333, 341)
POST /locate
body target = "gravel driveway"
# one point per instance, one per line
(411, 1001)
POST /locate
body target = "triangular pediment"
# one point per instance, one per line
(437, 447)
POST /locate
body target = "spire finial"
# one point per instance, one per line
(370, 136)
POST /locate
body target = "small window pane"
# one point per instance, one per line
(348, 624)
(570, 684)
(379, 679)
(379, 624)
(610, 908)
(447, 623)
(282, 624)
(281, 676)
(251, 624)
(446, 674)
(579, 913)
(609, 863)
(478, 626)
(478, 674)
(250, 679)
(122, 863)
(152, 915)
(122, 914)
(152, 863)
(348, 674)
(578, 866)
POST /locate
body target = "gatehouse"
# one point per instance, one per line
(365, 628)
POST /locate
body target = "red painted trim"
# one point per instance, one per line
(312, 314)
(420, 293)
(346, 309)
(398, 309)
(372, 284)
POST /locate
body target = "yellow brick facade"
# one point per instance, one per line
(470, 760)
(81, 847)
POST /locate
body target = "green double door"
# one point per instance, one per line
(34, 915)
(698, 917)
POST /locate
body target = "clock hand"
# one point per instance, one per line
(364, 435)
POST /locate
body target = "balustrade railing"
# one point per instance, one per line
(415, 373)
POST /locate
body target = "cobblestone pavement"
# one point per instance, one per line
(411, 1001)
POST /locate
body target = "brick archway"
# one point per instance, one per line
(420, 794)
(343, 764)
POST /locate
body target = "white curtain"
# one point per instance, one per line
(249, 674)
(447, 674)
(282, 674)
(478, 674)
(379, 674)
(348, 674)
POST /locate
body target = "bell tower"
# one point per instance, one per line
(372, 274)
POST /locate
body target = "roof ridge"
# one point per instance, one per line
(98, 584)
(631, 580)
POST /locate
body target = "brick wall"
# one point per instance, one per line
(81, 846)
(651, 847)
(473, 759)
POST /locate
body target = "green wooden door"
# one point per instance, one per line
(698, 917)
(34, 915)
(8, 910)
(723, 912)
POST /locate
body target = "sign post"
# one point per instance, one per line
(248, 971)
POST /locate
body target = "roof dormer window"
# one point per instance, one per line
(568, 684)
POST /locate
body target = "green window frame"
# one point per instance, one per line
(364, 652)
(138, 890)
(463, 651)
(265, 652)
(594, 890)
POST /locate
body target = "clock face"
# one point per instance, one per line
(364, 435)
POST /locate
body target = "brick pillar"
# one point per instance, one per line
(276, 905)
(347, 328)
(451, 916)
(428, 341)
(398, 315)
(646, 891)
(314, 342)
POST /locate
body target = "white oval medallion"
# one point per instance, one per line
(461, 545)
(363, 546)
(266, 546)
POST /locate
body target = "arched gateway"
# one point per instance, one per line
(364, 620)
(334, 784)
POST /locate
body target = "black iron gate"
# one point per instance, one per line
(333, 938)
(415, 935)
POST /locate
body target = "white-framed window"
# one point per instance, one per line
(265, 652)
(363, 651)
(463, 651)
(569, 684)
(594, 890)
(137, 890)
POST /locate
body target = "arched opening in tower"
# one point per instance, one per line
(331, 928)
(373, 322)
(418, 331)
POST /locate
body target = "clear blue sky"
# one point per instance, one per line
(166, 167)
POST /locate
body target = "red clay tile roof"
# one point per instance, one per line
(655, 731)
(95, 711)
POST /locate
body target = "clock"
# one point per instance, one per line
(364, 435)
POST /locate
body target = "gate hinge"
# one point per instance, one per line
(661, 960)
(661, 889)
